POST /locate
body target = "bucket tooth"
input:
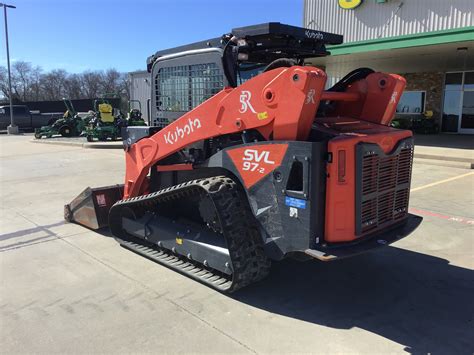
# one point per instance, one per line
(91, 207)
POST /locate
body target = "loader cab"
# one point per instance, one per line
(183, 81)
(184, 77)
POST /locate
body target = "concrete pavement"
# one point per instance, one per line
(65, 289)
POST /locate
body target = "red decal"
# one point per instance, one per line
(257, 161)
(439, 215)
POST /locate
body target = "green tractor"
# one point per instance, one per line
(70, 125)
(135, 114)
(104, 125)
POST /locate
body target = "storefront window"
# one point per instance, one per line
(451, 110)
(458, 103)
(412, 102)
(453, 81)
(469, 80)
(467, 118)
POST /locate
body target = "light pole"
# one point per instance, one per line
(12, 128)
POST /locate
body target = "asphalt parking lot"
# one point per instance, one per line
(65, 289)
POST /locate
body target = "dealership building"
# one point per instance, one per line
(429, 42)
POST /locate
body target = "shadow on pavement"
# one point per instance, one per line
(47, 234)
(414, 299)
(25, 232)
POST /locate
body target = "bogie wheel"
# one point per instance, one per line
(38, 135)
(65, 131)
(90, 138)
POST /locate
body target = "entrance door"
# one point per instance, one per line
(458, 104)
(466, 122)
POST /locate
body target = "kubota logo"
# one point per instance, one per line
(180, 132)
(314, 34)
(245, 102)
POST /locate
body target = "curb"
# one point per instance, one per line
(444, 163)
(104, 145)
(442, 158)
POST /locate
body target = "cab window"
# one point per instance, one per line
(182, 88)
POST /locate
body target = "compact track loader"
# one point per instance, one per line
(251, 160)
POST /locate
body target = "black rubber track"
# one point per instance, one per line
(237, 224)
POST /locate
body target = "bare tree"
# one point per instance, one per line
(4, 82)
(22, 73)
(91, 83)
(73, 86)
(36, 93)
(52, 84)
(29, 83)
(110, 81)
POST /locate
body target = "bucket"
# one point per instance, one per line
(91, 207)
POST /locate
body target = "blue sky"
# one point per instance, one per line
(79, 35)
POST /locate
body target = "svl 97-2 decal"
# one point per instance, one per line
(254, 162)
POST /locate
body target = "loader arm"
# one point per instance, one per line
(280, 104)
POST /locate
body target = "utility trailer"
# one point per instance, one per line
(251, 160)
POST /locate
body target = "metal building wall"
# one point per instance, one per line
(140, 89)
(372, 20)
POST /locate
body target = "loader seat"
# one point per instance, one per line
(106, 115)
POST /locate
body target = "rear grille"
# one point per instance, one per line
(383, 186)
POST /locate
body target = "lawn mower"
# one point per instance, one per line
(105, 125)
(134, 117)
(70, 125)
(251, 160)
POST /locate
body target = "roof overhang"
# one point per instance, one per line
(406, 41)
(440, 57)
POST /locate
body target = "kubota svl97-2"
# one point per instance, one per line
(250, 160)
